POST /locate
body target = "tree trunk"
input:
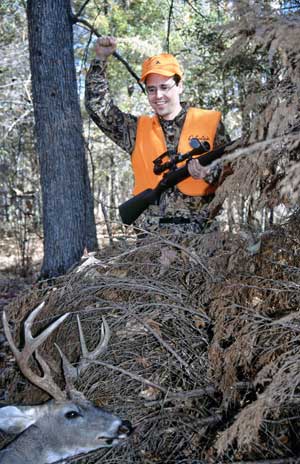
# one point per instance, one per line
(64, 176)
(112, 202)
(91, 231)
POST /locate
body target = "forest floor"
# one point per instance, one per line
(14, 281)
(12, 278)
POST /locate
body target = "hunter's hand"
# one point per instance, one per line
(196, 170)
(105, 46)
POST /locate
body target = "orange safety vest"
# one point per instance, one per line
(150, 143)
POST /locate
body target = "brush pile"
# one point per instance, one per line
(204, 348)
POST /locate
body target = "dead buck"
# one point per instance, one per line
(66, 426)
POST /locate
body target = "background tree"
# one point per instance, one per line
(60, 144)
(20, 205)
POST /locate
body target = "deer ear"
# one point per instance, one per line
(15, 419)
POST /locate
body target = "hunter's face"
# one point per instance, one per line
(164, 95)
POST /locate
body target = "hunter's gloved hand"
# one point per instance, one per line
(196, 170)
(105, 46)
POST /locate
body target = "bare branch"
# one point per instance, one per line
(80, 11)
(169, 25)
(107, 222)
(271, 461)
(130, 374)
(23, 116)
(208, 391)
(195, 9)
(89, 26)
(184, 395)
(161, 341)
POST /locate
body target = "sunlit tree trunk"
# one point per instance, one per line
(67, 202)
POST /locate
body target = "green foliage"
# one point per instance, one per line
(11, 19)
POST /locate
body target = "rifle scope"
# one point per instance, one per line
(160, 167)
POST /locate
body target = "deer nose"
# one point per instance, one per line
(125, 428)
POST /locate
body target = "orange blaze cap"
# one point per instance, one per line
(163, 64)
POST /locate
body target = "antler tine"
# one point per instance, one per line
(84, 350)
(46, 382)
(70, 372)
(100, 348)
(27, 327)
(33, 343)
(105, 335)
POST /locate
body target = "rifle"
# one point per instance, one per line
(131, 209)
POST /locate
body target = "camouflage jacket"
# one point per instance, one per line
(122, 127)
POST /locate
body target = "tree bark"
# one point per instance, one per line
(69, 225)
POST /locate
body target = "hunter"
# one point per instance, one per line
(175, 126)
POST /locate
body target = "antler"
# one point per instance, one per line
(71, 373)
(45, 382)
(87, 355)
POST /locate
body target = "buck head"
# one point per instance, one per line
(66, 426)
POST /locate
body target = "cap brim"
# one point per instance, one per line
(156, 71)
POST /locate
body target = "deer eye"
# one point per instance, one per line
(72, 415)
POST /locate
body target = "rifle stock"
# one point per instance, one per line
(131, 209)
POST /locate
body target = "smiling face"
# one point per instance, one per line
(164, 95)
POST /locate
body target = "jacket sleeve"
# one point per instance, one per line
(120, 127)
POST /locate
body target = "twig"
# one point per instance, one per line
(81, 9)
(210, 420)
(84, 456)
(130, 374)
(129, 252)
(205, 421)
(107, 222)
(161, 341)
(182, 396)
(16, 122)
(89, 26)
(198, 393)
(192, 255)
(271, 461)
(181, 308)
(233, 153)
(169, 25)
(170, 395)
(195, 10)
